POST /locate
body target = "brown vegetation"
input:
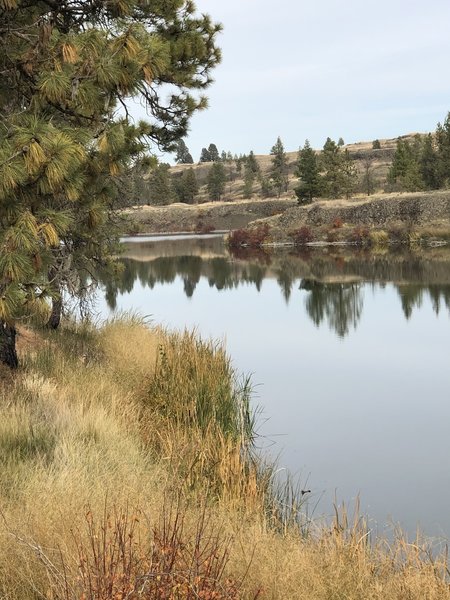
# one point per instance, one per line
(126, 472)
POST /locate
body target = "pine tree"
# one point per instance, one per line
(205, 156)
(216, 181)
(183, 155)
(368, 183)
(186, 186)
(160, 186)
(308, 173)
(376, 145)
(279, 171)
(249, 180)
(405, 169)
(251, 164)
(213, 153)
(349, 175)
(443, 151)
(66, 69)
(331, 163)
(341, 142)
(266, 187)
(429, 164)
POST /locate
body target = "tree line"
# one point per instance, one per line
(333, 172)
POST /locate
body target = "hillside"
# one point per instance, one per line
(386, 207)
(361, 152)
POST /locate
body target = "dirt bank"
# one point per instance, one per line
(420, 211)
(203, 217)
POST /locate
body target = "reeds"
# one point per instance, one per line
(128, 471)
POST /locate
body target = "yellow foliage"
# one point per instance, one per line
(34, 157)
(114, 168)
(103, 145)
(5, 309)
(8, 4)
(148, 74)
(69, 53)
(49, 235)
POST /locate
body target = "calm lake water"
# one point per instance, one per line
(348, 353)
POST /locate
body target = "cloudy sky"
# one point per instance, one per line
(360, 69)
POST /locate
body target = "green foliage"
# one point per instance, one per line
(341, 142)
(249, 180)
(183, 155)
(251, 164)
(429, 164)
(376, 145)
(64, 148)
(349, 175)
(216, 181)
(185, 186)
(331, 164)
(160, 185)
(443, 152)
(405, 168)
(279, 172)
(205, 156)
(308, 173)
(213, 153)
(251, 171)
(266, 187)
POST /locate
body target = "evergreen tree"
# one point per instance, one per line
(205, 156)
(279, 171)
(186, 186)
(443, 151)
(405, 169)
(249, 179)
(429, 165)
(216, 181)
(213, 153)
(331, 163)
(251, 164)
(66, 68)
(341, 142)
(308, 173)
(266, 187)
(368, 183)
(349, 175)
(183, 155)
(376, 145)
(160, 186)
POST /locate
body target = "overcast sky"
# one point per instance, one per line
(360, 69)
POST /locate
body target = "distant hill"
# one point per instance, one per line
(361, 152)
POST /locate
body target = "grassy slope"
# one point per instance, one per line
(380, 162)
(125, 472)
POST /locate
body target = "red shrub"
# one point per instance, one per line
(301, 236)
(251, 238)
(337, 223)
(360, 235)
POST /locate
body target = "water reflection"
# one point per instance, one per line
(340, 304)
(330, 281)
(348, 352)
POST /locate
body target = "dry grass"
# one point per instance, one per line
(126, 471)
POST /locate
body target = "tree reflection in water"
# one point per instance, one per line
(332, 281)
(340, 304)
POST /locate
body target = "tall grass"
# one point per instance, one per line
(127, 471)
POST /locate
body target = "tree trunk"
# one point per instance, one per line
(8, 353)
(55, 315)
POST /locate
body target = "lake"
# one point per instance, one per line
(348, 353)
